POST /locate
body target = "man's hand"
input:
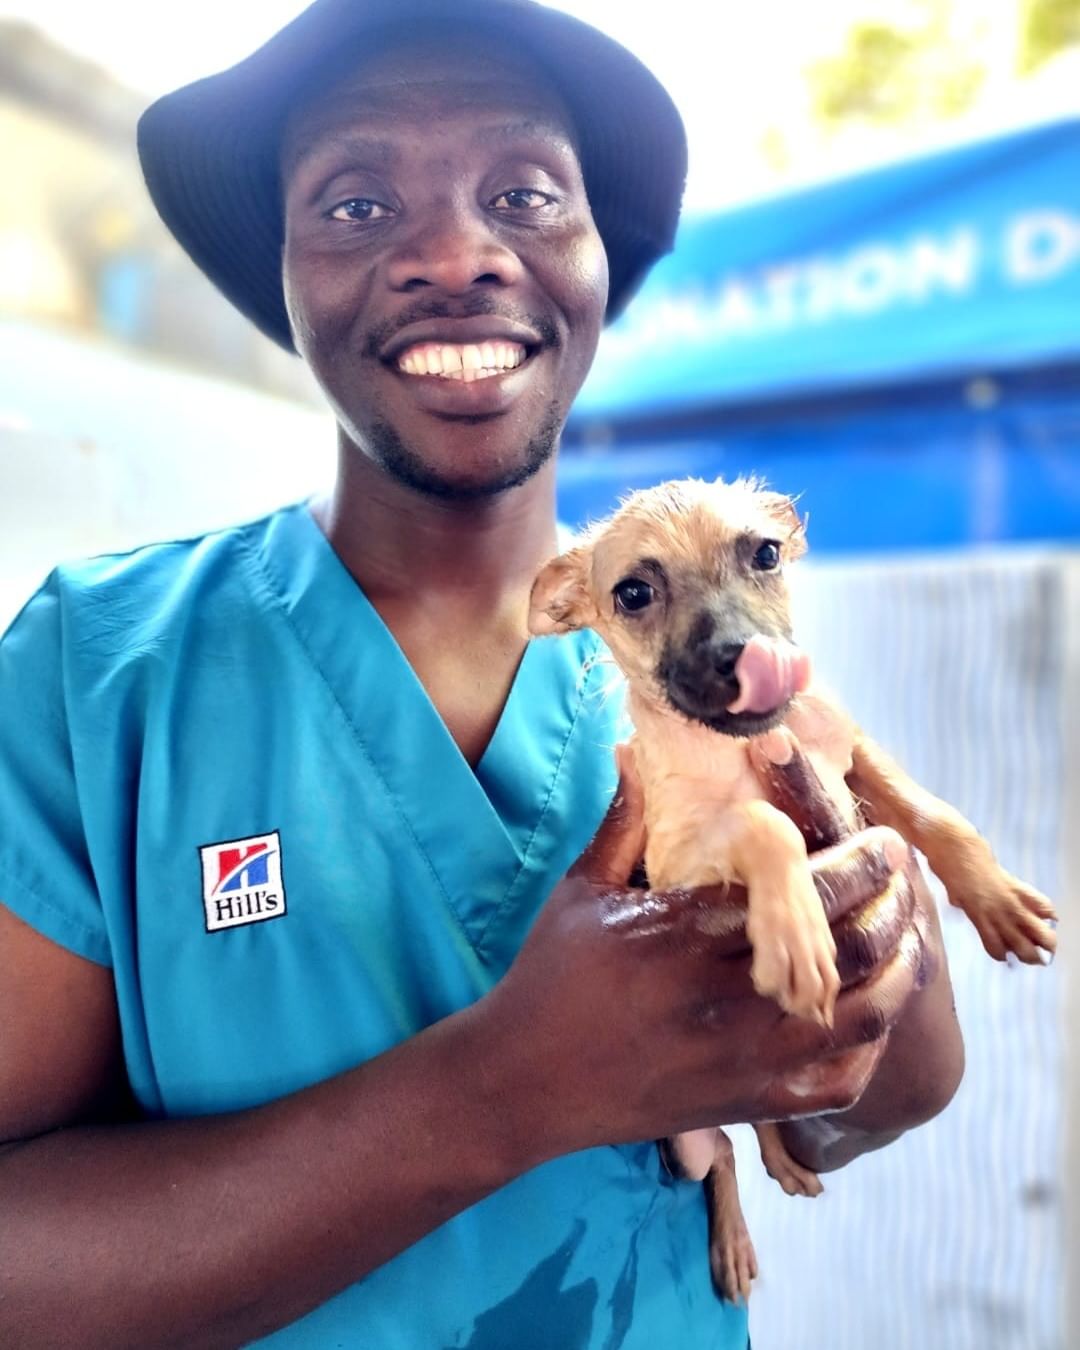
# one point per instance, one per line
(636, 1015)
(913, 1072)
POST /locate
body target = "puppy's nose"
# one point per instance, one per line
(724, 657)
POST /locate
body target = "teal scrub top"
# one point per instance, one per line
(220, 777)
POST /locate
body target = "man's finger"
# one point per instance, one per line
(826, 1084)
(925, 918)
(869, 935)
(868, 1012)
(618, 844)
(851, 874)
(793, 786)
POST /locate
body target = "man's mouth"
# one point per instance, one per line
(465, 362)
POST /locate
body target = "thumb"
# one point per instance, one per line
(618, 844)
(793, 786)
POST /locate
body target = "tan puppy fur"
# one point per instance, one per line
(705, 816)
(673, 582)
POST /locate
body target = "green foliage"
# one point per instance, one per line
(1049, 27)
(868, 78)
(888, 74)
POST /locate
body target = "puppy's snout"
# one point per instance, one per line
(700, 677)
(724, 656)
(702, 670)
(709, 650)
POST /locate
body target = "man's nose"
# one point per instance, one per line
(453, 248)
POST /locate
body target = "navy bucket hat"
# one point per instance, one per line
(210, 150)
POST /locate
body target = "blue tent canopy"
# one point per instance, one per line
(964, 260)
(913, 330)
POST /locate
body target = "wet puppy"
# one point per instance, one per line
(686, 585)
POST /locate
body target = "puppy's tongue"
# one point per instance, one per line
(769, 671)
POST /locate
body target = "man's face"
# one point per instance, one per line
(443, 275)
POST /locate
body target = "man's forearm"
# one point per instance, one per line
(302, 1197)
(916, 1079)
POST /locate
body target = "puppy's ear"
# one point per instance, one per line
(793, 530)
(560, 597)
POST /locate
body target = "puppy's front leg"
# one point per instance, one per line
(1010, 915)
(794, 1179)
(794, 952)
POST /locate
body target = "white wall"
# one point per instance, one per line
(100, 451)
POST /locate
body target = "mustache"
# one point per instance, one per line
(468, 308)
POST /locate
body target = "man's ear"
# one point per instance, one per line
(782, 509)
(560, 597)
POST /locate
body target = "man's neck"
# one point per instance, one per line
(450, 579)
(406, 548)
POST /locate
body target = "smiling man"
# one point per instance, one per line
(329, 1014)
(446, 167)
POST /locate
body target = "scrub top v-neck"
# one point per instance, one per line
(220, 777)
(484, 833)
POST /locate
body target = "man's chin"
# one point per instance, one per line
(412, 469)
(427, 482)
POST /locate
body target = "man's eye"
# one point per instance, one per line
(521, 199)
(767, 558)
(632, 595)
(361, 209)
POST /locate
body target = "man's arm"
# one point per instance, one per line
(626, 1016)
(218, 1230)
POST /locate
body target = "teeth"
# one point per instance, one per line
(469, 361)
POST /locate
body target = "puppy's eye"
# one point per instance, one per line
(633, 595)
(767, 558)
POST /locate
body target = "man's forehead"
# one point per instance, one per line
(417, 79)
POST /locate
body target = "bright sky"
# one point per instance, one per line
(732, 67)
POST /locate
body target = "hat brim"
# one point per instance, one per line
(210, 150)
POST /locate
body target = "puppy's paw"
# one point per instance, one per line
(794, 1179)
(733, 1262)
(794, 952)
(1010, 916)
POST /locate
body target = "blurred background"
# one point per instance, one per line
(874, 303)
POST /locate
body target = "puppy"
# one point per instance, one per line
(686, 585)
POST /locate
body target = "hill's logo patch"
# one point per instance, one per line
(242, 881)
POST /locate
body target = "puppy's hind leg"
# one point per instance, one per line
(732, 1259)
(688, 1156)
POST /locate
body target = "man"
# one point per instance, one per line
(292, 818)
